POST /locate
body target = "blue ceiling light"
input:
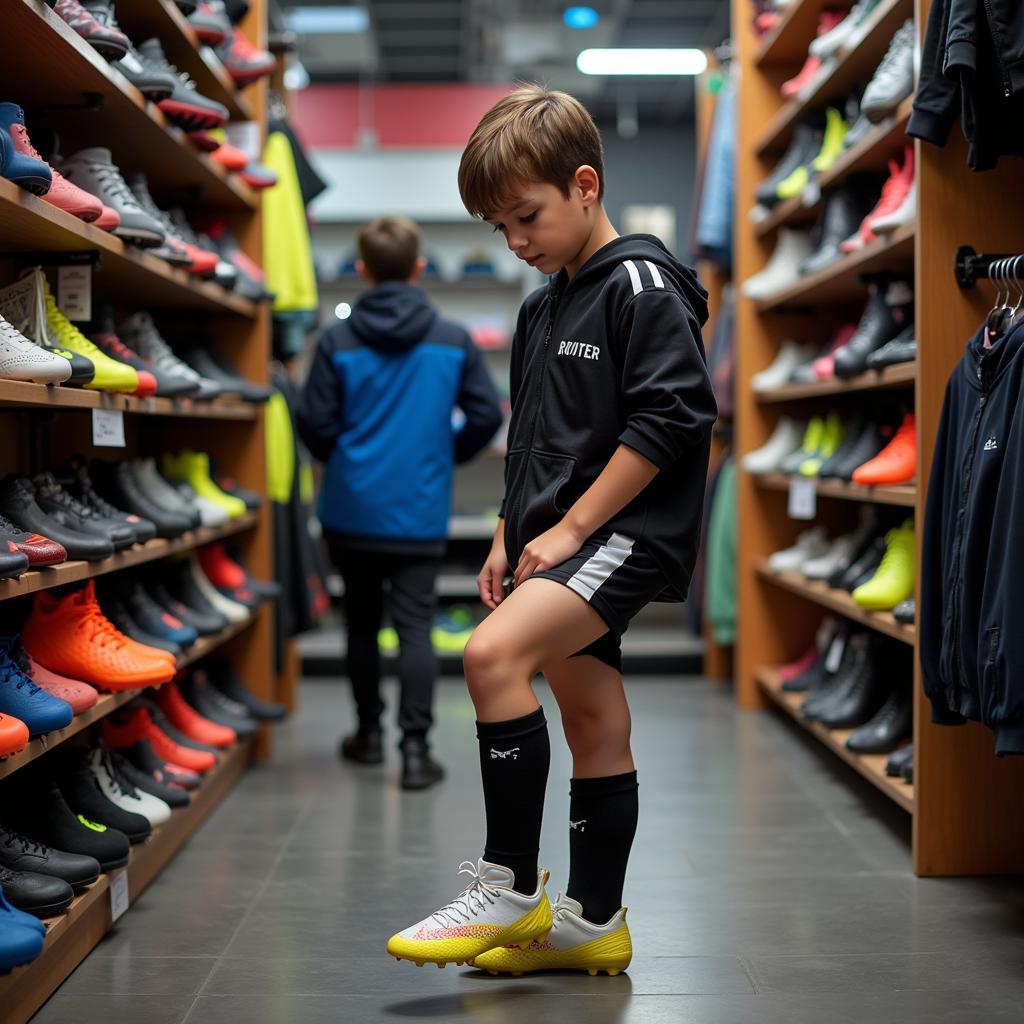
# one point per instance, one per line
(581, 17)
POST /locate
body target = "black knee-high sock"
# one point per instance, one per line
(602, 823)
(514, 760)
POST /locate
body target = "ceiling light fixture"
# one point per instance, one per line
(580, 17)
(642, 62)
(319, 21)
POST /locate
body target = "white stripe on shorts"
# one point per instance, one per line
(597, 569)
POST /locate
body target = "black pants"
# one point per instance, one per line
(410, 583)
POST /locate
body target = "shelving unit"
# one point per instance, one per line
(965, 802)
(55, 74)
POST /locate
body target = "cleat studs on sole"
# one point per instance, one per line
(592, 971)
(613, 972)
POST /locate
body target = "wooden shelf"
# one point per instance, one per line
(871, 766)
(842, 280)
(853, 67)
(787, 43)
(143, 19)
(110, 702)
(29, 224)
(138, 134)
(75, 571)
(837, 601)
(902, 375)
(870, 154)
(40, 396)
(72, 936)
(905, 495)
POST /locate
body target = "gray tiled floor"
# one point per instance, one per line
(768, 884)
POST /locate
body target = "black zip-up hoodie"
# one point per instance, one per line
(972, 588)
(613, 357)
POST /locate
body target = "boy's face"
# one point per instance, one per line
(543, 227)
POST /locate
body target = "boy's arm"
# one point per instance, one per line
(319, 414)
(478, 399)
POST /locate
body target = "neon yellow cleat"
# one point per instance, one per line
(894, 580)
(193, 468)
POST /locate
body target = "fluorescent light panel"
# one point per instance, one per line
(625, 61)
(341, 20)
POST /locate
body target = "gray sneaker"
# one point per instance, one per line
(893, 82)
(140, 333)
(94, 171)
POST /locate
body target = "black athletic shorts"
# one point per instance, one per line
(617, 579)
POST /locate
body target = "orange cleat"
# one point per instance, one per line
(185, 718)
(13, 735)
(131, 725)
(896, 463)
(69, 634)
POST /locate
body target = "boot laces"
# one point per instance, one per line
(12, 335)
(110, 178)
(476, 897)
(12, 670)
(99, 629)
(27, 845)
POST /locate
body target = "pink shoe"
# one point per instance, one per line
(894, 194)
(798, 667)
(824, 368)
(81, 696)
(107, 220)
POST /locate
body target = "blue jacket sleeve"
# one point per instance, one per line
(478, 399)
(319, 416)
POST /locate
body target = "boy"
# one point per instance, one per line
(612, 412)
(377, 409)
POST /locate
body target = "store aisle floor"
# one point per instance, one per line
(766, 885)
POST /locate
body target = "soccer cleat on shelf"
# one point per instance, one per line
(186, 106)
(109, 375)
(831, 439)
(21, 937)
(187, 604)
(245, 62)
(194, 469)
(109, 42)
(229, 485)
(130, 726)
(81, 696)
(232, 610)
(893, 81)
(814, 432)
(117, 611)
(108, 220)
(227, 575)
(18, 503)
(164, 773)
(25, 171)
(231, 158)
(173, 796)
(574, 944)
(141, 334)
(185, 718)
(20, 852)
(13, 735)
(61, 193)
(155, 619)
(836, 127)
(896, 463)
(21, 359)
(81, 789)
(21, 698)
(825, 366)
(12, 561)
(204, 260)
(894, 580)
(78, 482)
(224, 678)
(214, 706)
(154, 81)
(210, 515)
(894, 200)
(59, 504)
(103, 332)
(810, 544)
(162, 491)
(69, 634)
(255, 175)
(889, 310)
(783, 267)
(41, 895)
(210, 23)
(118, 790)
(846, 34)
(905, 611)
(117, 481)
(487, 914)
(789, 357)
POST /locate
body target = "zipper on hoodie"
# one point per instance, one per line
(997, 41)
(954, 690)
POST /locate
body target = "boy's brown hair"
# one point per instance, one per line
(533, 134)
(390, 247)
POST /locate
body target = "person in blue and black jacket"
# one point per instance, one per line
(377, 410)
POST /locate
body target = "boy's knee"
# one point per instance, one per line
(481, 659)
(592, 730)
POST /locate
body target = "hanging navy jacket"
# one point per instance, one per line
(377, 409)
(972, 586)
(613, 357)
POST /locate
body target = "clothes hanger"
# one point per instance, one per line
(1017, 313)
(995, 322)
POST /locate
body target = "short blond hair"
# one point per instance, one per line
(533, 134)
(390, 247)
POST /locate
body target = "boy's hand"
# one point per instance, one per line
(549, 549)
(489, 582)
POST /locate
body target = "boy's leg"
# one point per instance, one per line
(541, 622)
(364, 602)
(604, 803)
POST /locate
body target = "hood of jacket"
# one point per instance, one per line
(652, 250)
(392, 317)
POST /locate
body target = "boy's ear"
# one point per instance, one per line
(589, 184)
(417, 271)
(363, 272)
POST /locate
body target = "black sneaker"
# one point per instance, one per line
(146, 760)
(46, 816)
(82, 791)
(20, 853)
(224, 678)
(419, 769)
(42, 895)
(173, 796)
(212, 704)
(363, 747)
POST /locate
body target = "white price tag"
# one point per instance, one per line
(118, 894)
(811, 194)
(107, 428)
(834, 658)
(74, 292)
(803, 499)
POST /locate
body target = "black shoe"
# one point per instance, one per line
(117, 484)
(45, 816)
(224, 678)
(144, 758)
(894, 766)
(865, 567)
(905, 611)
(82, 791)
(212, 704)
(12, 563)
(873, 437)
(118, 613)
(818, 674)
(802, 150)
(182, 586)
(844, 210)
(419, 769)
(18, 503)
(907, 771)
(21, 853)
(42, 895)
(893, 724)
(865, 693)
(173, 796)
(363, 747)
(841, 681)
(204, 625)
(889, 310)
(79, 484)
(902, 349)
(57, 502)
